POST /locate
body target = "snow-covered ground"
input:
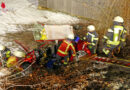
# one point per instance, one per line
(24, 12)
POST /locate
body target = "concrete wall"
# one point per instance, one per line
(102, 11)
(87, 8)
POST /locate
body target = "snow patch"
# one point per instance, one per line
(19, 12)
(4, 72)
(23, 12)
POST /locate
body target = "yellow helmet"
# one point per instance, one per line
(2, 47)
(91, 28)
(118, 19)
(19, 54)
(12, 61)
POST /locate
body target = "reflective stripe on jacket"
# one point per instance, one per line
(66, 46)
(92, 38)
(115, 35)
(8, 54)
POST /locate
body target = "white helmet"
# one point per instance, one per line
(70, 36)
(118, 19)
(91, 28)
(19, 54)
(2, 47)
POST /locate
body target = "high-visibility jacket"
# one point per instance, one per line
(43, 35)
(115, 35)
(92, 38)
(65, 47)
(12, 61)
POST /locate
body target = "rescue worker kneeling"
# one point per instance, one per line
(115, 37)
(66, 51)
(12, 61)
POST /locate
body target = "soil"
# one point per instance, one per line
(82, 75)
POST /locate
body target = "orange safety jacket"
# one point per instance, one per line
(65, 47)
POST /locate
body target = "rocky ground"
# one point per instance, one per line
(82, 75)
(85, 75)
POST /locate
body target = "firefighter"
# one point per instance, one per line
(66, 50)
(5, 53)
(115, 37)
(12, 60)
(43, 34)
(92, 39)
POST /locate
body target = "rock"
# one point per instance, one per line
(4, 72)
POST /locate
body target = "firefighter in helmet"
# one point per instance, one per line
(66, 50)
(92, 39)
(115, 37)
